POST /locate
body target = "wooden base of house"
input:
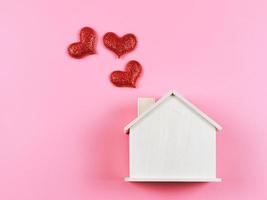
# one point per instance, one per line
(128, 179)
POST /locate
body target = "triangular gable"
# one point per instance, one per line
(183, 100)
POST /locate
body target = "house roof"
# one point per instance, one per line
(183, 100)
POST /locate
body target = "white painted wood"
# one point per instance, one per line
(172, 142)
(128, 179)
(144, 104)
(184, 101)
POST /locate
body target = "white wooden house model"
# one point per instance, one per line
(172, 141)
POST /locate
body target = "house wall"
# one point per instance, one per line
(172, 142)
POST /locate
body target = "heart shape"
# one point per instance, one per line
(128, 77)
(86, 46)
(120, 45)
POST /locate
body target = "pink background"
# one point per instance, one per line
(61, 119)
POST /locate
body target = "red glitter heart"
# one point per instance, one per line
(86, 46)
(120, 45)
(128, 77)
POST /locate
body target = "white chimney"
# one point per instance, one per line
(144, 104)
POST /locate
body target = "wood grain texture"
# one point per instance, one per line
(172, 143)
(187, 103)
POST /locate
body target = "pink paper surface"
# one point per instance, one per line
(61, 121)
